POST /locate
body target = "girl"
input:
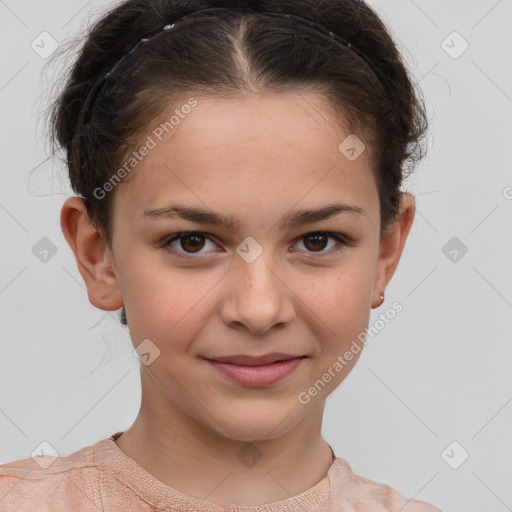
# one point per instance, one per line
(238, 166)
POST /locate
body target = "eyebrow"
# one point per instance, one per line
(290, 220)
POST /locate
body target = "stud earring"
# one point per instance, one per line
(381, 297)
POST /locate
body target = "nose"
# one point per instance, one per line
(257, 296)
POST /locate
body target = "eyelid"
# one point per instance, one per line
(191, 256)
(342, 242)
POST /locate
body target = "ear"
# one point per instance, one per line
(93, 257)
(392, 242)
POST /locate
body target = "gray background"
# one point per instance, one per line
(439, 373)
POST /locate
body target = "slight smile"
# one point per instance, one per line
(256, 371)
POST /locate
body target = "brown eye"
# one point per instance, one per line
(192, 243)
(183, 244)
(317, 241)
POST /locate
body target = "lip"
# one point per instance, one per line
(246, 360)
(256, 375)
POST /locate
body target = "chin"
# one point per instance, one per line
(258, 423)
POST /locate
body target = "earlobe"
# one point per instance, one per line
(391, 245)
(92, 255)
(381, 301)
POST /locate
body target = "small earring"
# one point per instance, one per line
(381, 297)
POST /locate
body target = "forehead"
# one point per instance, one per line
(262, 148)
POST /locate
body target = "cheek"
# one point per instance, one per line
(341, 295)
(165, 306)
(338, 306)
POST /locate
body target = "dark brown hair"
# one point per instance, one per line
(230, 56)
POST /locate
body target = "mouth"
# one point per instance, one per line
(258, 373)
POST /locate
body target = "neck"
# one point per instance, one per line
(186, 455)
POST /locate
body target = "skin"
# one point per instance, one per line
(256, 159)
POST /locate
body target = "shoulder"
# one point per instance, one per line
(361, 494)
(49, 483)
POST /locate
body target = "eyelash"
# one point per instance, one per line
(342, 243)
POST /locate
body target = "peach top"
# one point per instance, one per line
(102, 478)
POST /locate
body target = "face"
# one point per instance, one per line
(271, 281)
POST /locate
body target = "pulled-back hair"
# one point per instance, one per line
(229, 56)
